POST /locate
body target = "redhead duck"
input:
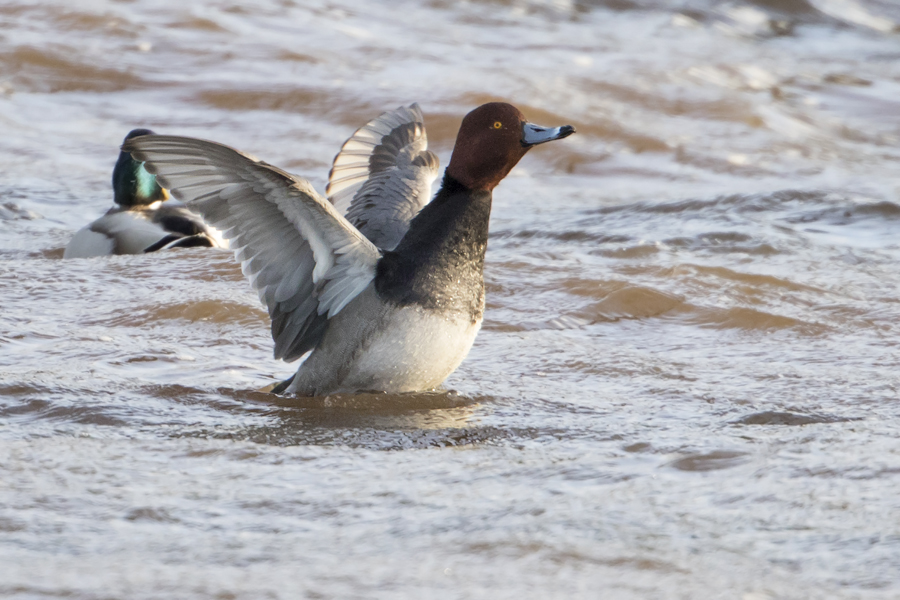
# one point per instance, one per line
(140, 222)
(384, 290)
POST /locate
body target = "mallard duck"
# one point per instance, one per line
(141, 221)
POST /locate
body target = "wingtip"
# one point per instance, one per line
(131, 145)
(417, 110)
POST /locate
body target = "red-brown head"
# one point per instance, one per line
(491, 140)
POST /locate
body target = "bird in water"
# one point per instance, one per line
(141, 221)
(383, 289)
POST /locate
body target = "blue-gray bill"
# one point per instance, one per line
(532, 134)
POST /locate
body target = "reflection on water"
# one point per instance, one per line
(686, 385)
(376, 420)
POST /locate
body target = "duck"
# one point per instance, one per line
(379, 285)
(141, 220)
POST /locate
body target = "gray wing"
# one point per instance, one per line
(304, 259)
(382, 176)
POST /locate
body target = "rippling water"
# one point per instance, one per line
(687, 382)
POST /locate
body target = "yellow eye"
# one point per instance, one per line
(497, 124)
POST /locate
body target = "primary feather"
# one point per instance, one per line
(382, 176)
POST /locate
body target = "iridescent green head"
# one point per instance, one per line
(132, 184)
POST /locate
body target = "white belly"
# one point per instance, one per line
(417, 351)
(371, 346)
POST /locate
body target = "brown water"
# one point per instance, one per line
(687, 382)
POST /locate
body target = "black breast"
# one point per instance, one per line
(439, 263)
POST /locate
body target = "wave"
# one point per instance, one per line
(210, 311)
(47, 70)
(791, 206)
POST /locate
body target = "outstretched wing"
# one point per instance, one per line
(304, 259)
(382, 176)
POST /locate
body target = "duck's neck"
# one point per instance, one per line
(133, 186)
(439, 263)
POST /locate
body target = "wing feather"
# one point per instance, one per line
(382, 176)
(305, 260)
